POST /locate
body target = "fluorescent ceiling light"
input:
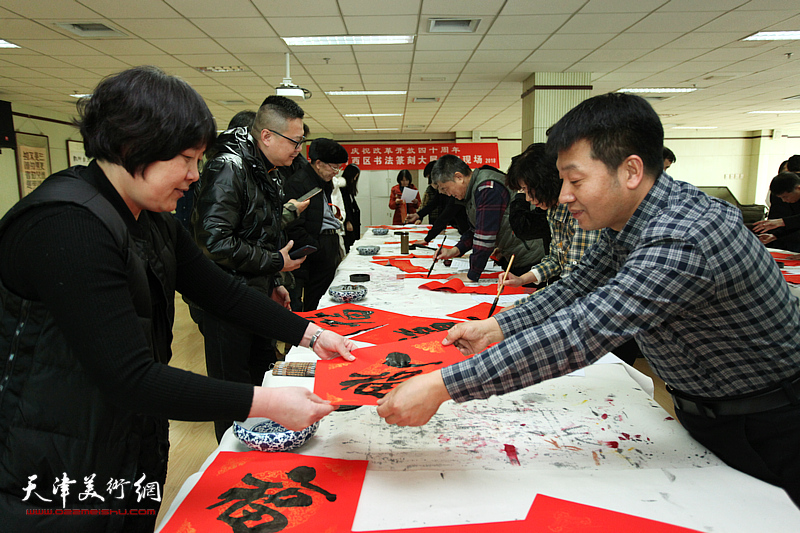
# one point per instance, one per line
(774, 112)
(645, 90)
(236, 68)
(6, 44)
(373, 115)
(774, 36)
(362, 93)
(694, 127)
(79, 95)
(375, 129)
(337, 40)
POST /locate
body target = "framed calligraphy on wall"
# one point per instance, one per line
(33, 161)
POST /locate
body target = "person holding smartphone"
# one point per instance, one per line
(317, 226)
(239, 221)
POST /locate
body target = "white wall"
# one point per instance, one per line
(57, 133)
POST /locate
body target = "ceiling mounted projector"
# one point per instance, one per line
(289, 89)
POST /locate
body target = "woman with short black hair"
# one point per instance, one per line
(87, 314)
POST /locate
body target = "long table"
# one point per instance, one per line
(596, 438)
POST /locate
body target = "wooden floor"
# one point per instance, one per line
(192, 442)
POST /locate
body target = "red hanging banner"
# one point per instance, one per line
(416, 156)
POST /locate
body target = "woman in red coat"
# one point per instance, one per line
(401, 209)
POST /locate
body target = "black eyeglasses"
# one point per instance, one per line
(297, 144)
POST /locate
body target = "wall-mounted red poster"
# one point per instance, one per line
(411, 156)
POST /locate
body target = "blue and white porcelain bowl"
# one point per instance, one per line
(348, 293)
(269, 436)
(368, 250)
(380, 231)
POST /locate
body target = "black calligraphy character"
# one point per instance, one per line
(421, 331)
(357, 314)
(378, 385)
(254, 502)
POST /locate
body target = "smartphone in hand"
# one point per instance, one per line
(309, 194)
(302, 251)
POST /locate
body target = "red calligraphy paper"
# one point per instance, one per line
(408, 327)
(243, 491)
(378, 369)
(346, 319)
(456, 285)
(476, 312)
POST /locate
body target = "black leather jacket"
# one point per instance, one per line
(238, 210)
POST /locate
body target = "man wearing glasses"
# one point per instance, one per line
(238, 222)
(318, 225)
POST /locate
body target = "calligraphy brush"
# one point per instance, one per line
(500, 287)
(436, 256)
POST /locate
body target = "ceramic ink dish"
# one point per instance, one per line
(269, 436)
(348, 293)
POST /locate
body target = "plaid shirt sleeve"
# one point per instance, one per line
(491, 201)
(562, 229)
(706, 303)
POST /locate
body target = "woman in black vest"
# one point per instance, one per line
(87, 313)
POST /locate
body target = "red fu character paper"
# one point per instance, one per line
(271, 492)
(346, 319)
(378, 369)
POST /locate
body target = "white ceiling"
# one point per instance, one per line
(623, 43)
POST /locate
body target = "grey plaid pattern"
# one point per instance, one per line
(703, 298)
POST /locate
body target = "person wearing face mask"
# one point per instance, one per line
(317, 226)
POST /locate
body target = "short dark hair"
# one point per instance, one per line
(350, 173)
(143, 115)
(536, 169)
(426, 172)
(327, 151)
(446, 167)
(616, 125)
(784, 182)
(782, 167)
(669, 154)
(274, 114)
(403, 174)
(793, 163)
(242, 119)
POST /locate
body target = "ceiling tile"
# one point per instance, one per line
(382, 25)
(214, 10)
(18, 28)
(527, 24)
(187, 46)
(37, 9)
(159, 28)
(462, 7)
(234, 27)
(114, 9)
(307, 26)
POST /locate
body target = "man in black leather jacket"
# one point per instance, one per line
(238, 222)
(318, 225)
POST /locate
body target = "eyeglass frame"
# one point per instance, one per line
(337, 167)
(297, 144)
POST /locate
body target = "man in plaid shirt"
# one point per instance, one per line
(673, 268)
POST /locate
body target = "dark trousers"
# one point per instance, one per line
(318, 270)
(764, 445)
(235, 354)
